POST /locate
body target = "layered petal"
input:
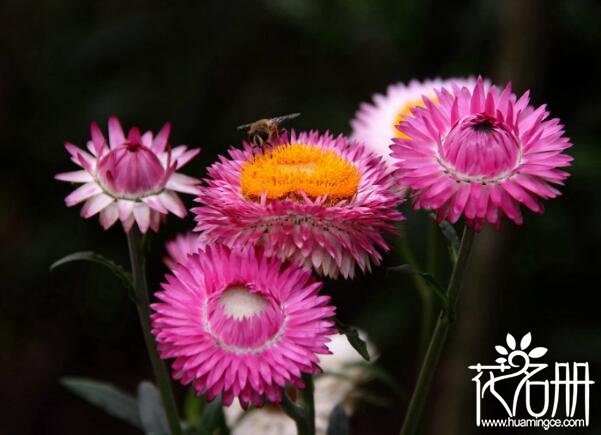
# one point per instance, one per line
(480, 153)
(242, 325)
(129, 178)
(321, 201)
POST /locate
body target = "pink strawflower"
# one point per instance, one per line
(129, 178)
(318, 200)
(183, 245)
(375, 123)
(241, 324)
(481, 154)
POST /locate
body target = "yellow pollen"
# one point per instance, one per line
(291, 169)
(406, 110)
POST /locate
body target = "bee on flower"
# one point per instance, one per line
(315, 199)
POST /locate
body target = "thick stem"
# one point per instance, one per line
(296, 413)
(308, 401)
(303, 414)
(161, 375)
(428, 368)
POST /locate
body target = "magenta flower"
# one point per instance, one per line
(131, 178)
(481, 154)
(321, 201)
(181, 246)
(241, 325)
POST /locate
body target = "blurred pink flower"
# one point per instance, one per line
(181, 246)
(131, 178)
(375, 122)
(311, 198)
(241, 325)
(481, 154)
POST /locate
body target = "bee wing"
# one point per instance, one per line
(283, 118)
(244, 126)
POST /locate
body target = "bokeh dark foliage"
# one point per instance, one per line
(209, 66)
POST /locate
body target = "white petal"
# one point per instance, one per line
(154, 203)
(172, 203)
(74, 177)
(109, 215)
(95, 204)
(82, 193)
(183, 183)
(142, 216)
(126, 208)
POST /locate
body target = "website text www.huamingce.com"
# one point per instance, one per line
(545, 423)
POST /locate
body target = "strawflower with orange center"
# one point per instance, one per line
(311, 198)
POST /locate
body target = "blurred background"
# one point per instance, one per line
(208, 67)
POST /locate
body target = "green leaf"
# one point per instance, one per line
(451, 235)
(211, 417)
(118, 271)
(352, 335)
(430, 280)
(106, 397)
(193, 408)
(338, 421)
(150, 407)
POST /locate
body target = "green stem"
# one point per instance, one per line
(308, 401)
(304, 415)
(161, 375)
(425, 294)
(296, 413)
(433, 232)
(430, 363)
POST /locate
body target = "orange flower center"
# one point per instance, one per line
(406, 110)
(291, 169)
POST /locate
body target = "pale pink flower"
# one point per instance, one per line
(481, 154)
(375, 122)
(318, 200)
(131, 178)
(241, 325)
(181, 246)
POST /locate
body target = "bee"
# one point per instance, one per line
(265, 130)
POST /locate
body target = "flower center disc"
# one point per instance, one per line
(406, 110)
(243, 320)
(239, 303)
(480, 149)
(291, 169)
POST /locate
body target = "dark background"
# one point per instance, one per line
(209, 66)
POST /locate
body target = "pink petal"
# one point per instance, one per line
(74, 177)
(82, 193)
(160, 141)
(116, 136)
(142, 216)
(95, 204)
(183, 183)
(172, 203)
(109, 215)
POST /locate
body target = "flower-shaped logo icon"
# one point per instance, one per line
(526, 340)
